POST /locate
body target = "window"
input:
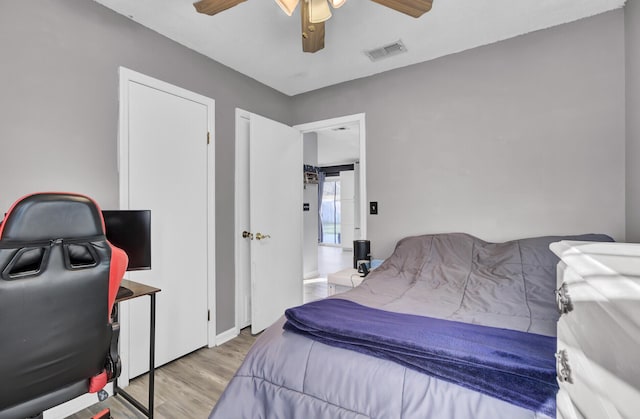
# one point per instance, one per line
(330, 211)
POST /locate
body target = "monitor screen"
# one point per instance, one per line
(130, 230)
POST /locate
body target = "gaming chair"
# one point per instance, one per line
(59, 277)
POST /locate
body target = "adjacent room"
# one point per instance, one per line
(469, 170)
(332, 207)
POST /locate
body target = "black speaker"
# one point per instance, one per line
(361, 251)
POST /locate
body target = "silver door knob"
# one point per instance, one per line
(260, 236)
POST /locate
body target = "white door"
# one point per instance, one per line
(169, 172)
(275, 202)
(347, 209)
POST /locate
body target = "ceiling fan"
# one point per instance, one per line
(315, 12)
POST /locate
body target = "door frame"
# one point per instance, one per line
(336, 122)
(127, 76)
(241, 166)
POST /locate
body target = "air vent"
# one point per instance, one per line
(386, 51)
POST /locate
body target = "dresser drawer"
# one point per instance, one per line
(595, 391)
(601, 343)
(565, 409)
(604, 333)
(599, 331)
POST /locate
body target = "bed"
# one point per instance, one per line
(453, 277)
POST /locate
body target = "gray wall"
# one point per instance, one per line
(524, 137)
(632, 27)
(474, 142)
(59, 107)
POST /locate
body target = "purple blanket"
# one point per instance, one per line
(513, 366)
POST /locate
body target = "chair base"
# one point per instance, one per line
(46, 401)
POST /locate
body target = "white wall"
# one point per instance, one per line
(341, 147)
(347, 209)
(356, 203)
(524, 137)
(310, 218)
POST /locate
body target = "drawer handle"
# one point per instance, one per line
(563, 370)
(563, 300)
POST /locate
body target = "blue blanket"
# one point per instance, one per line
(513, 366)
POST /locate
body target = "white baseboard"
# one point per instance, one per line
(315, 280)
(73, 406)
(226, 336)
(310, 275)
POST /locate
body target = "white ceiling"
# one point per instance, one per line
(257, 39)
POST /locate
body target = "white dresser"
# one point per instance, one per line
(598, 357)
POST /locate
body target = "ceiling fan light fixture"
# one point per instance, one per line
(313, 14)
(319, 11)
(288, 6)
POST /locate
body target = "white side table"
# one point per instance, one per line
(346, 278)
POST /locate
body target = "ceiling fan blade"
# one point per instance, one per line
(415, 8)
(312, 33)
(211, 7)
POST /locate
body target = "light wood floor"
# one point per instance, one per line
(185, 388)
(189, 387)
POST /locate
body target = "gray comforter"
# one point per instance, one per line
(451, 276)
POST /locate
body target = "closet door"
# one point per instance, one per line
(168, 172)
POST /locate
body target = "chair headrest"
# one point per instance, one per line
(50, 216)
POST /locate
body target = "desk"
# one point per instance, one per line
(140, 290)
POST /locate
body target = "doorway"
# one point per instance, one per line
(268, 222)
(335, 148)
(243, 265)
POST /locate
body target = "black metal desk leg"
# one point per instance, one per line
(140, 290)
(152, 354)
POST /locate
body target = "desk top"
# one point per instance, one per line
(138, 290)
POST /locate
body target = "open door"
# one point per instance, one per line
(275, 197)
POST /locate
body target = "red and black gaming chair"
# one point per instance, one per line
(59, 277)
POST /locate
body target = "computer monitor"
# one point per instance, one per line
(130, 230)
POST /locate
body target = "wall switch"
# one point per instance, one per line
(373, 207)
